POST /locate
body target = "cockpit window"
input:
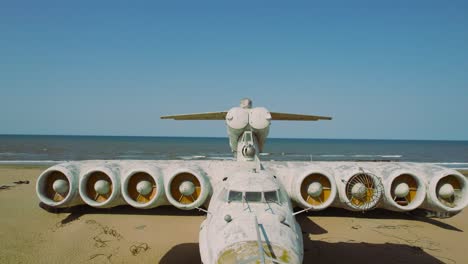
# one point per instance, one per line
(235, 196)
(253, 196)
(271, 197)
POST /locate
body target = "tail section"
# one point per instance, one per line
(245, 118)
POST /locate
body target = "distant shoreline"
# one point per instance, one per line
(52, 149)
(224, 137)
(46, 165)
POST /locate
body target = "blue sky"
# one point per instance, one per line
(385, 71)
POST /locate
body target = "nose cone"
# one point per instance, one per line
(248, 252)
(359, 190)
(245, 239)
(144, 187)
(60, 186)
(102, 187)
(315, 189)
(446, 191)
(187, 188)
(402, 190)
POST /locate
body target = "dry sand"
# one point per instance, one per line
(30, 234)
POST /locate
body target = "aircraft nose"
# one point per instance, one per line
(249, 252)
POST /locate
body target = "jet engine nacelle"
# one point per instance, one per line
(447, 192)
(100, 186)
(315, 188)
(143, 187)
(58, 186)
(259, 121)
(404, 190)
(187, 188)
(358, 189)
(239, 120)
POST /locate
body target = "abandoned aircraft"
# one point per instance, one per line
(249, 203)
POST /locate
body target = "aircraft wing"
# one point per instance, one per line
(198, 116)
(356, 186)
(297, 117)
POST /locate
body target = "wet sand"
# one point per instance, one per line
(31, 234)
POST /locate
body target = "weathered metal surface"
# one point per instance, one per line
(250, 216)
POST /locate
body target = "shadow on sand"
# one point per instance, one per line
(80, 210)
(76, 212)
(344, 252)
(384, 214)
(315, 251)
(325, 252)
(182, 253)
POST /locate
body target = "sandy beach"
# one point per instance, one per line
(31, 234)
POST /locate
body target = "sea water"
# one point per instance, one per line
(52, 149)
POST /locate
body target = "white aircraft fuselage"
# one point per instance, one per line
(250, 220)
(250, 217)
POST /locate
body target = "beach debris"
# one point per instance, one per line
(112, 232)
(138, 248)
(98, 242)
(105, 229)
(5, 187)
(141, 227)
(95, 256)
(21, 182)
(98, 255)
(395, 226)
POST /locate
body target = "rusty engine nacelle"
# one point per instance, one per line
(143, 187)
(447, 192)
(404, 190)
(100, 186)
(314, 188)
(58, 186)
(187, 188)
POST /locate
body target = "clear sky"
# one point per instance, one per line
(388, 70)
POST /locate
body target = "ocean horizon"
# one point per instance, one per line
(45, 149)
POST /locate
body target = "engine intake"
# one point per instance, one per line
(57, 186)
(187, 188)
(448, 192)
(100, 187)
(363, 191)
(314, 189)
(404, 191)
(143, 188)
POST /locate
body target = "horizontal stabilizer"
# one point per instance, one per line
(222, 116)
(296, 117)
(199, 116)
